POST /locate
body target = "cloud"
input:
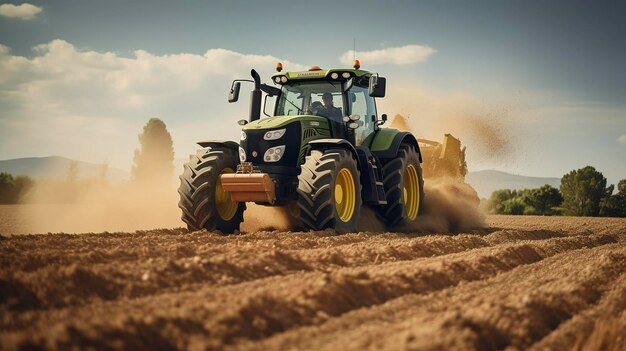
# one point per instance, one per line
(91, 105)
(622, 139)
(402, 55)
(24, 11)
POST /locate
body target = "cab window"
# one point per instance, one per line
(290, 104)
(363, 105)
(302, 98)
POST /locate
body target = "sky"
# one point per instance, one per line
(531, 87)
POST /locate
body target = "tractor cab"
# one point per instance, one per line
(340, 95)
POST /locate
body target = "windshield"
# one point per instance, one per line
(320, 98)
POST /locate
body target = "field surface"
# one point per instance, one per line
(520, 283)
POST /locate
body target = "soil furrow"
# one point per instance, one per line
(488, 314)
(522, 282)
(79, 282)
(576, 331)
(270, 306)
(24, 253)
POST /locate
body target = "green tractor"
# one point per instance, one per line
(322, 154)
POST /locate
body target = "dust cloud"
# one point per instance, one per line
(267, 218)
(92, 206)
(486, 127)
(450, 206)
(488, 135)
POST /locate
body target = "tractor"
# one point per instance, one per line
(322, 154)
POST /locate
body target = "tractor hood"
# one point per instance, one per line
(280, 121)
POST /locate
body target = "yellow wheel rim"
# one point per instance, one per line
(345, 195)
(411, 192)
(226, 208)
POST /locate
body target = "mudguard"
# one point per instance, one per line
(217, 143)
(386, 143)
(323, 144)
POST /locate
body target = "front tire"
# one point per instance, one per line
(203, 201)
(329, 191)
(404, 187)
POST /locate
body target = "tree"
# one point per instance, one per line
(621, 187)
(514, 206)
(497, 199)
(13, 188)
(154, 160)
(6, 188)
(543, 200)
(615, 205)
(583, 190)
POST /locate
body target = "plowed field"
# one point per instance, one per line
(522, 282)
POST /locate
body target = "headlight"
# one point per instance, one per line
(283, 79)
(346, 75)
(242, 154)
(334, 75)
(277, 80)
(274, 134)
(274, 154)
(243, 136)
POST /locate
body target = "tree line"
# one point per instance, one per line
(582, 192)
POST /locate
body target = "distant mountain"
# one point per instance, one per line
(487, 181)
(55, 168)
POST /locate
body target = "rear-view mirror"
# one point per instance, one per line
(234, 92)
(377, 86)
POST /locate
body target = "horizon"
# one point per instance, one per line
(128, 170)
(81, 79)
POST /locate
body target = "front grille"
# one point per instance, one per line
(255, 142)
(309, 133)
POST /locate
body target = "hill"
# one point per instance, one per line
(487, 181)
(55, 167)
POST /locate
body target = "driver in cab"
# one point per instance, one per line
(327, 109)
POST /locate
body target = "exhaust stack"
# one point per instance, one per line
(255, 97)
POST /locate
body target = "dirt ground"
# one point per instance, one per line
(520, 283)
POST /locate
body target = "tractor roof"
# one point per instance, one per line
(317, 73)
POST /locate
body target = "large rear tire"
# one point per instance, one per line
(404, 187)
(204, 202)
(329, 191)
